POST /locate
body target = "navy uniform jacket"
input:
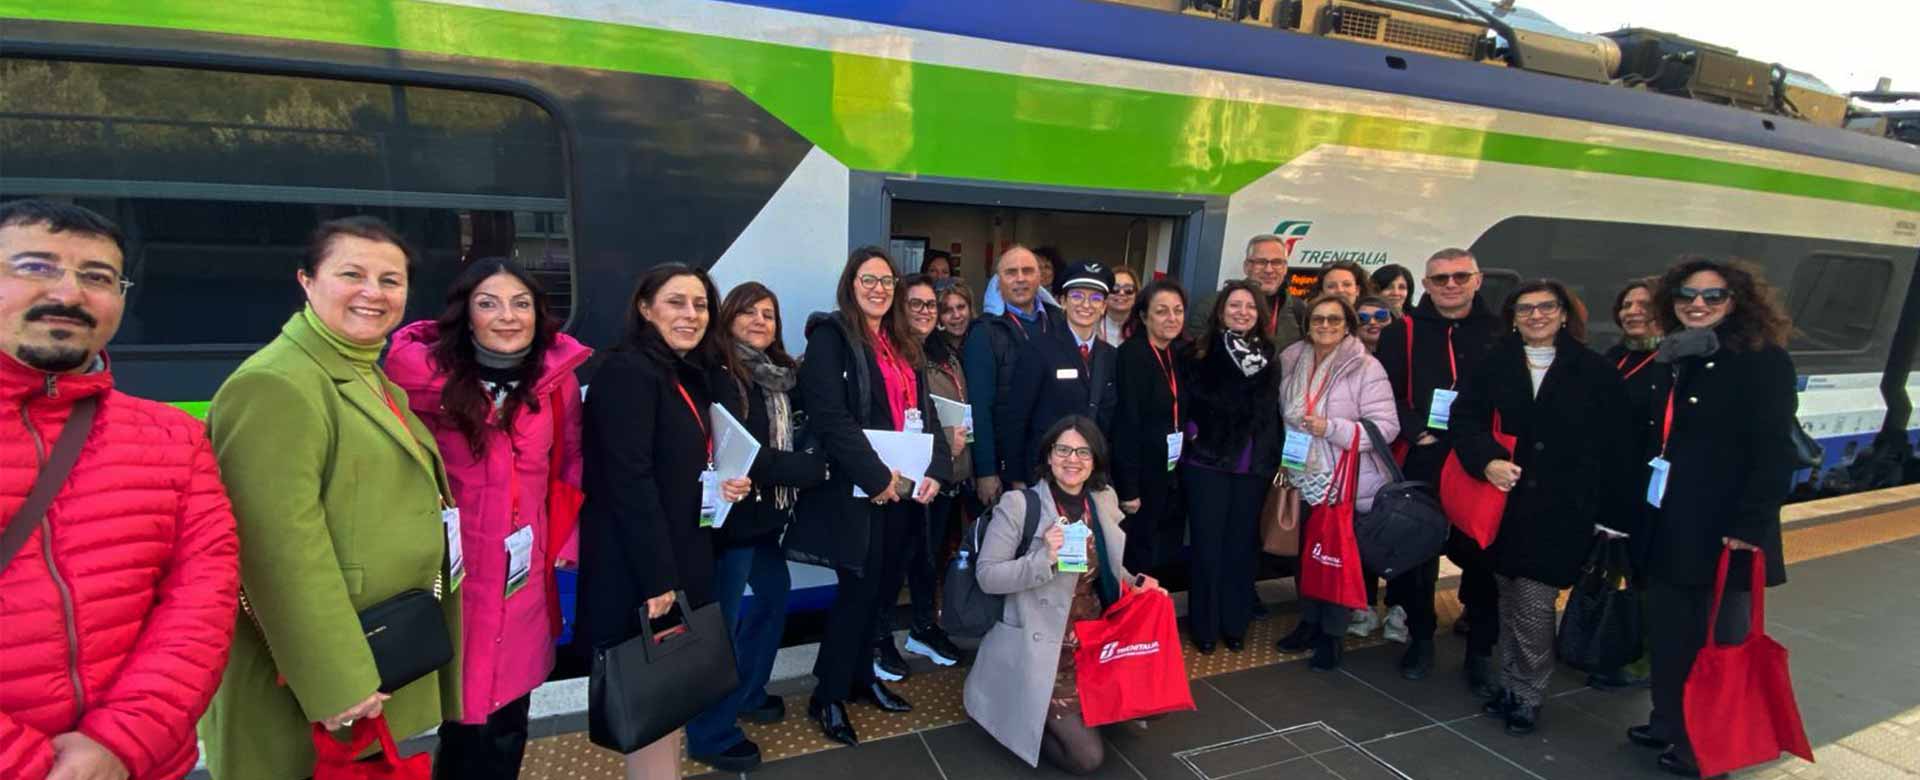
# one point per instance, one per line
(1050, 381)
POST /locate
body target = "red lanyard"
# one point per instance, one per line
(1313, 397)
(959, 380)
(1037, 307)
(1666, 425)
(1173, 382)
(1453, 365)
(697, 419)
(1622, 365)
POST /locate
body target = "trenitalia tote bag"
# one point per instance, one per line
(563, 506)
(1472, 503)
(1129, 664)
(644, 688)
(335, 760)
(1330, 552)
(1739, 698)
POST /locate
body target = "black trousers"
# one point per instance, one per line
(1224, 510)
(484, 751)
(925, 548)
(1677, 629)
(1156, 533)
(845, 664)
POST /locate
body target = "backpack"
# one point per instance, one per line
(1405, 527)
(969, 611)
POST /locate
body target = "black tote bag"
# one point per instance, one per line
(1601, 630)
(643, 689)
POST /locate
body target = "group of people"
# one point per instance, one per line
(176, 575)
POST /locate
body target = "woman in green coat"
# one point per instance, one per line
(338, 491)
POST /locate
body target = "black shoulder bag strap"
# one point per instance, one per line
(53, 473)
(1382, 451)
(1031, 526)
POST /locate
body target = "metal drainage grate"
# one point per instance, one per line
(1312, 745)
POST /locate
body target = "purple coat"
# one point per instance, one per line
(1358, 388)
(507, 647)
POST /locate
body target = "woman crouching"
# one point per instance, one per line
(1022, 688)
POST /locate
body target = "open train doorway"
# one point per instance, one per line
(972, 236)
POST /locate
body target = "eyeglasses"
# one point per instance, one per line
(1262, 263)
(97, 280)
(1086, 296)
(1456, 279)
(921, 305)
(1065, 452)
(869, 281)
(1544, 308)
(1124, 289)
(1326, 319)
(1378, 315)
(1712, 296)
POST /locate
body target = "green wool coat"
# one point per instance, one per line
(335, 514)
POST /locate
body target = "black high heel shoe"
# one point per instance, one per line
(832, 717)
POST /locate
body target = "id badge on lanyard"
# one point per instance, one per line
(710, 498)
(456, 557)
(1657, 484)
(519, 558)
(1073, 549)
(1176, 442)
(914, 423)
(1442, 409)
(1293, 454)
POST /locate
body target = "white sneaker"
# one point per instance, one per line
(1363, 623)
(1397, 626)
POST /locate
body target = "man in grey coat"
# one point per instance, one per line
(1266, 266)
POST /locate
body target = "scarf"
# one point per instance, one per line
(1300, 376)
(903, 388)
(774, 381)
(1244, 353)
(361, 357)
(1692, 342)
(1641, 343)
(499, 371)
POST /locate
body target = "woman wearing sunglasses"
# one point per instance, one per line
(1565, 477)
(1374, 314)
(1730, 457)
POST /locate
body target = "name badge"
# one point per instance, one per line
(966, 422)
(519, 559)
(1073, 551)
(912, 422)
(1067, 373)
(1657, 483)
(1293, 454)
(1442, 409)
(710, 499)
(1176, 442)
(456, 557)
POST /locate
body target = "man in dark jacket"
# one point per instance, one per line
(1266, 266)
(1067, 372)
(1450, 332)
(992, 348)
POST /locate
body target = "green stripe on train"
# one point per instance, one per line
(196, 408)
(889, 115)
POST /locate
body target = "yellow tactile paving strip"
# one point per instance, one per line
(937, 703)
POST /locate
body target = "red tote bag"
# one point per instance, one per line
(1329, 551)
(1472, 503)
(334, 760)
(1739, 698)
(563, 503)
(1129, 663)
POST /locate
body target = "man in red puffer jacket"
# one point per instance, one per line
(117, 607)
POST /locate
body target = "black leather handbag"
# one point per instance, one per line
(408, 637)
(1405, 526)
(644, 688)
(1604, 627)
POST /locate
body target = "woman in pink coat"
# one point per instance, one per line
(488, 378)
(1331, 383)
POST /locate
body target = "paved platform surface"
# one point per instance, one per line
(1849, 616)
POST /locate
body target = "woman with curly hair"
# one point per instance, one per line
(1727, 458)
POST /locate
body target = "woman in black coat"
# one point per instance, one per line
(1230, 394)
(645, 441)
(1731, 455)
(1564, 477)
(1647, 386)
(861, 372)
(1148, 412)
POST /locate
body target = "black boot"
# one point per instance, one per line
(1480, 676)
(1499, 705)
(1522, 719)
(1300, 639)
(1326, 653)
(1418, 661)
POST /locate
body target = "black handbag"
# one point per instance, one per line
(1807, 453)
(644, 688)
(408, 637)
(1405, 526)
(1602, 629)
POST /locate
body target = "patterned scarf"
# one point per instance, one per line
(1315, 479)
(1244, 353)
(774, 381)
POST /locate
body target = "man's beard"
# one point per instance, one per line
(56, 359)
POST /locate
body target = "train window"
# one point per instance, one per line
(1835, 301)
(218, 178)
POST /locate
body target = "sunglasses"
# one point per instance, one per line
(1456, 279)
(1326, 319)
(1712, 296)
(1381, 316)
(1124, 289)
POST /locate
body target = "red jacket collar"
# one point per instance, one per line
(21, 383)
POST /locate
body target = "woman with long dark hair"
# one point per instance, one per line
(1564, 477)
(648, 437)
(493, 379)
(1730, 454)
(1232, 449)
(1394, 283)
(747, 548)
(862, 371)
(1147, 415)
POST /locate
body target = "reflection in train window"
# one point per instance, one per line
(1835, 300)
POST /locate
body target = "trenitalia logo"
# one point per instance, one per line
(1325, 559)
(1292, 232)
(1114, 651)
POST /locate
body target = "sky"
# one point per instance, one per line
(1846, 43)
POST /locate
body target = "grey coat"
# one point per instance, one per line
(1012, 678)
